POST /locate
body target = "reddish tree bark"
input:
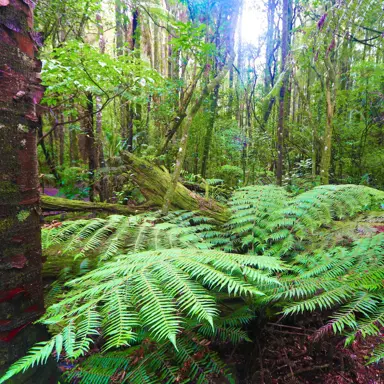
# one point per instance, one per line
(21, 292)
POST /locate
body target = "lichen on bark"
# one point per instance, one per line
(21, 293)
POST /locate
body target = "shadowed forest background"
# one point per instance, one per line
(211, 178)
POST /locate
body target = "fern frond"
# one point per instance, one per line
(37, 355)
(378, 354)
(154, 292)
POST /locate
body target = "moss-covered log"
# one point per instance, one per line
(154, 181)
(49, 203)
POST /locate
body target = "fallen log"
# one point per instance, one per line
(153, 182)
(49, 203)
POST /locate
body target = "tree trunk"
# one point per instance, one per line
(269, 52)
(99, 114)
(47, 155)
(54, 204)
(21, 291)
(209, 134)
(91, 148)
(73, 143)
(282, 101)
(99, 118)
(327, 143)
(61, 134)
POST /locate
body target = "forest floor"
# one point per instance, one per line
(287, 354)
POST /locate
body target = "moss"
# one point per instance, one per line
(9, 192)
(7, 187)
(23, 215)
(6, 224)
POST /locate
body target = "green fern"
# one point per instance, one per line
(118, 234)
(349, 281)
(378, 354)
(158, 291)
(154, 363)
(266, 220)
(154, 292)
(161, 363)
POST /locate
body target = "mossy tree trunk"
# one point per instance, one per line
(91, 146)
(154, 183)
(21, 291)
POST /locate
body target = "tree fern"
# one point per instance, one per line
(116, 234)
(266, 220)
(349, 281)
(155, 292)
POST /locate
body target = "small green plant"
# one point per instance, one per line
(73, 183)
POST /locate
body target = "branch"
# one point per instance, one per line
(156, 23)
(91, 79)
(57, 124)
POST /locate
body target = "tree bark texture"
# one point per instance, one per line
(21, 292)
(210, 129)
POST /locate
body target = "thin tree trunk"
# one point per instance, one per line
(282, 101)
(134, 46)
(99, 118)
(327, 144)
(91, 147)
(47, 155)
(61, 134)
(269, 73)
(269, 52)
(209, 134)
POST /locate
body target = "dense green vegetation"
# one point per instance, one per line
(203, 183)
(159, 287)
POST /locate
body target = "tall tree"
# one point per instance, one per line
(233, 14)
(282, 102)
(21, 291)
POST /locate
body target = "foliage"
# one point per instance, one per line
(162, 285)
(77, 68)
(73, 183)
(347, 281)
(266, 220)
(121, 234)
(140, 85)
(154, 292)
(153, 362)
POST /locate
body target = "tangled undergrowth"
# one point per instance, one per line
(149, 299)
